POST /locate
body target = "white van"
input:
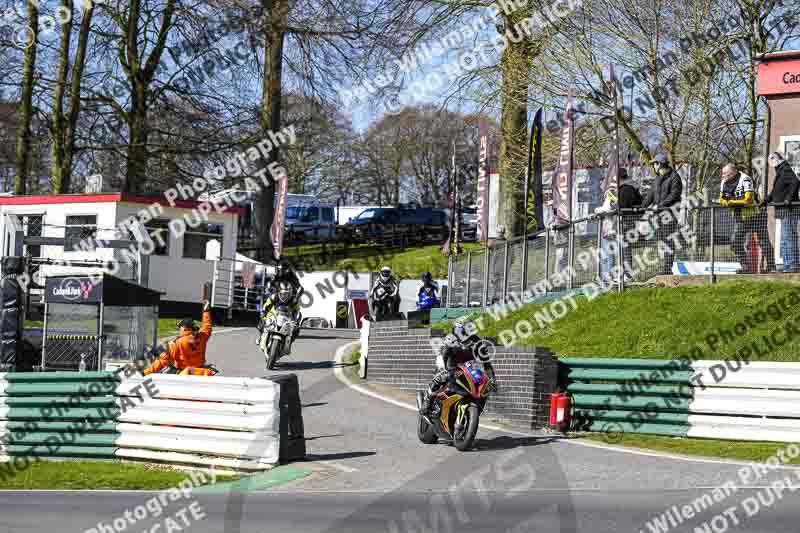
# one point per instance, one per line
(311, 222)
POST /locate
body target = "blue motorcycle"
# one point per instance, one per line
(427, 300)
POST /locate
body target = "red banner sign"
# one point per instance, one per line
(483, 183)
(562, 177)
(779, 77)
(279, 220)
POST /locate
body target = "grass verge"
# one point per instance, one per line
(725, 449)
(662, 323)
(85, 475)
(354, 357)
(409, 263)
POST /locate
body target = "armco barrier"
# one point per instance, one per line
(238, 423)
(711, 399)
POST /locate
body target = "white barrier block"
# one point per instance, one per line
(758, 375)
(207, 388)
(364, 337)
(193, 459)
(198, 414)
(739, 428)
(262, 445)
(730, 401)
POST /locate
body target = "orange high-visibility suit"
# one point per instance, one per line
(187, 351)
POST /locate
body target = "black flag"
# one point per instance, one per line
(534, 211)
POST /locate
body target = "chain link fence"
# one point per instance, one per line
(632, 247)
(72, 331)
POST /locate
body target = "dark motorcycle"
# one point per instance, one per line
(456, 410)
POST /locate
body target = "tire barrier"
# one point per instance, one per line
(10, 321)
(737, 400)
(243, 424)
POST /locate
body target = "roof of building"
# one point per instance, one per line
(784, 55)
(104, 198)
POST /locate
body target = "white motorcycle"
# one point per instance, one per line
(279, 327)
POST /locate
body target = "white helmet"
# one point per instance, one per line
(386, 274)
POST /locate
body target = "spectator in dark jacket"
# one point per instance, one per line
(666, 191)
(784, 192)
(629, 198)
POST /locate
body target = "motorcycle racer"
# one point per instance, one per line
(458, 348)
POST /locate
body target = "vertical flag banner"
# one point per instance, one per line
(453, 212)
(611, 181)
(451, 224)
(534, 198)
(562, 176)
(483, 183)
(279, 219)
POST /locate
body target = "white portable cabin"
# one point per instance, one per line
(177, 269)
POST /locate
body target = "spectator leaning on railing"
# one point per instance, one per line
(628, 198)
(738, 193)
(784, 191)
(666, 191)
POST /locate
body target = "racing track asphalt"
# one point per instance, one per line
(371, 474)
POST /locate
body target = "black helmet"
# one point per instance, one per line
(187, 323)
(281, 269)
(426, 277)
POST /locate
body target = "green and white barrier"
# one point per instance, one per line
(238, 423)
(712, 399)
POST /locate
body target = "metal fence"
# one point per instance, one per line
(238, 284)
(630, 247)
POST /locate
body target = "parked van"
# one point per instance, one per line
(311, 222)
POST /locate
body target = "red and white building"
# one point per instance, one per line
(177, 265)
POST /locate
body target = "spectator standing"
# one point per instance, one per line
(628, 198)
(738, 193)
(784, 191)
(666, 191)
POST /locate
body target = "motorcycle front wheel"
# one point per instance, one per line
(274, 351)
(425, 431)
(464, 441)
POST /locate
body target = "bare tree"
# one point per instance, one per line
(26, 105)
(64, 125)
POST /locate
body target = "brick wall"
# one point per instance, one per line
(404, 357)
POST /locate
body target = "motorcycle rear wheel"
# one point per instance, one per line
(465, 441)
(274, 351)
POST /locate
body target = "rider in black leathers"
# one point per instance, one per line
(458, 348)
(283, 272)
(387, 281)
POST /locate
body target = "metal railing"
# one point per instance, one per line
(238, 284)
(628, 247)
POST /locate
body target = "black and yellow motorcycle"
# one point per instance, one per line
(455, 412)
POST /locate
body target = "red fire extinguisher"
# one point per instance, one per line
(559, 411)
(753, 248)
